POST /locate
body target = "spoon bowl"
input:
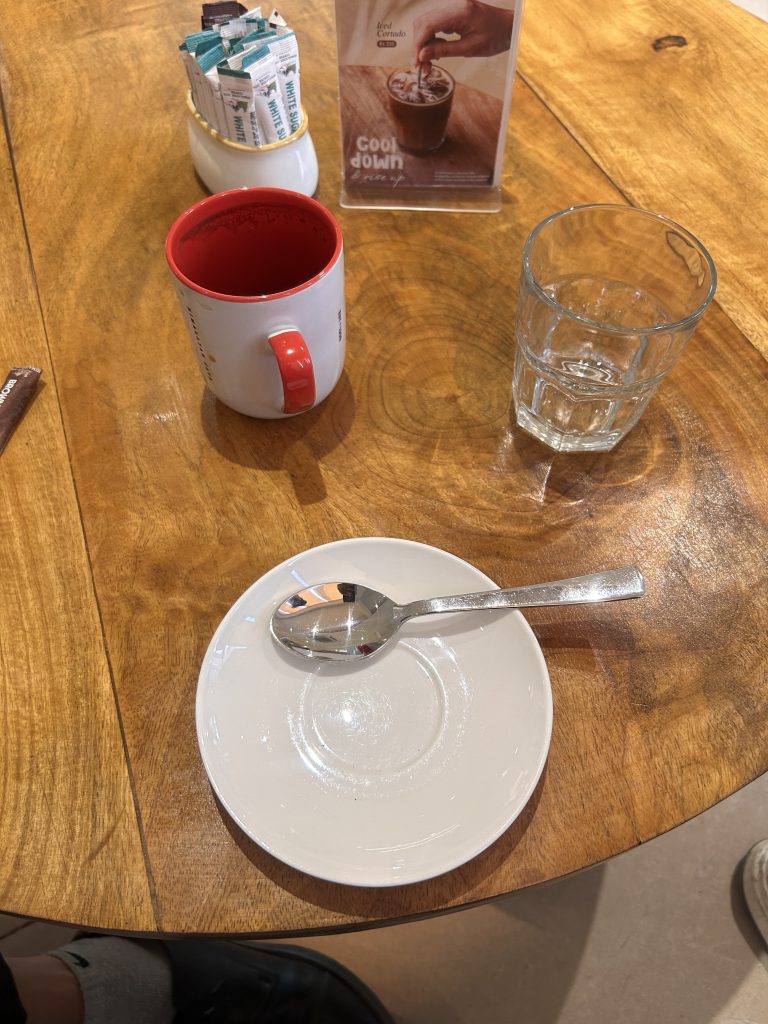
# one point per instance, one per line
(348, 621)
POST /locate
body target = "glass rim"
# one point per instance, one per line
(682, 322)
(410, 103)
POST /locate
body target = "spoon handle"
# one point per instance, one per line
(612, 585)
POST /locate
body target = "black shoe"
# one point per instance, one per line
(257, 983)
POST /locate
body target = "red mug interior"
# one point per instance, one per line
(251, 244)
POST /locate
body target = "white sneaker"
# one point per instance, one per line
(755, 881)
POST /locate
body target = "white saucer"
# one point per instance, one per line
(392, 770)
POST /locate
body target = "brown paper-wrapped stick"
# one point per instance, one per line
(15, 396)
(220, 12)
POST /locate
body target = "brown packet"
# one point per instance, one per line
(15, 396)
(220, 12)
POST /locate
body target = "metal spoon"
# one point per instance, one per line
(344, 621)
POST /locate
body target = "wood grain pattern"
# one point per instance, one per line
(70, 846)
(682, 129)
(659, 708)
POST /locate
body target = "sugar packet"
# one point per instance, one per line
(261, 66)
(15, 396)
(243, 72)
(208, 63)
(285, 49)
(242, 121)
(197, 84)
(250, 41)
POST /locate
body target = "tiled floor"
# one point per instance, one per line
(758, 7)
(659, 934)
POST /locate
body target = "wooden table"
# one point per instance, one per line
(135, 508)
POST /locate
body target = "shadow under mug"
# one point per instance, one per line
(259, 273)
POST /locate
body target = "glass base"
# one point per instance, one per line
(560, 441)
(455, 200)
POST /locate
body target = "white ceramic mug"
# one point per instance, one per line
(260, 277)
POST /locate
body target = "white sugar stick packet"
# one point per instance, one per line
(237, 90)
(244, 77)
(208, 64)
(285, 50)
(231, 31)
(240, 107)
(188, 61)
(196, 43)
(268, 100)
(251, 41)
(255, 21)
(197, 84)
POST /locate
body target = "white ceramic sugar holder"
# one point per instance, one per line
(223, 164)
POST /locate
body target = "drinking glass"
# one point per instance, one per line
(609, 296)
(420, 107)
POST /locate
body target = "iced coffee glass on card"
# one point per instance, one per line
(609, 297)
(420, 101)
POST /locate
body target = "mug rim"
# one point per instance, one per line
(682, 323)
(223, 201)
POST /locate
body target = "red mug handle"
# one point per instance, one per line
(296, 372)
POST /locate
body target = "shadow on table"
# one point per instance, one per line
(647, 456)
(295, 445)
(393, 902)
(572, 629)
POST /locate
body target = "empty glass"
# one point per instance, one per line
(609, 296)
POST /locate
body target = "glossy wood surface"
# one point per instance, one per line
(71, 845)
(669, 98)
(154, 506)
